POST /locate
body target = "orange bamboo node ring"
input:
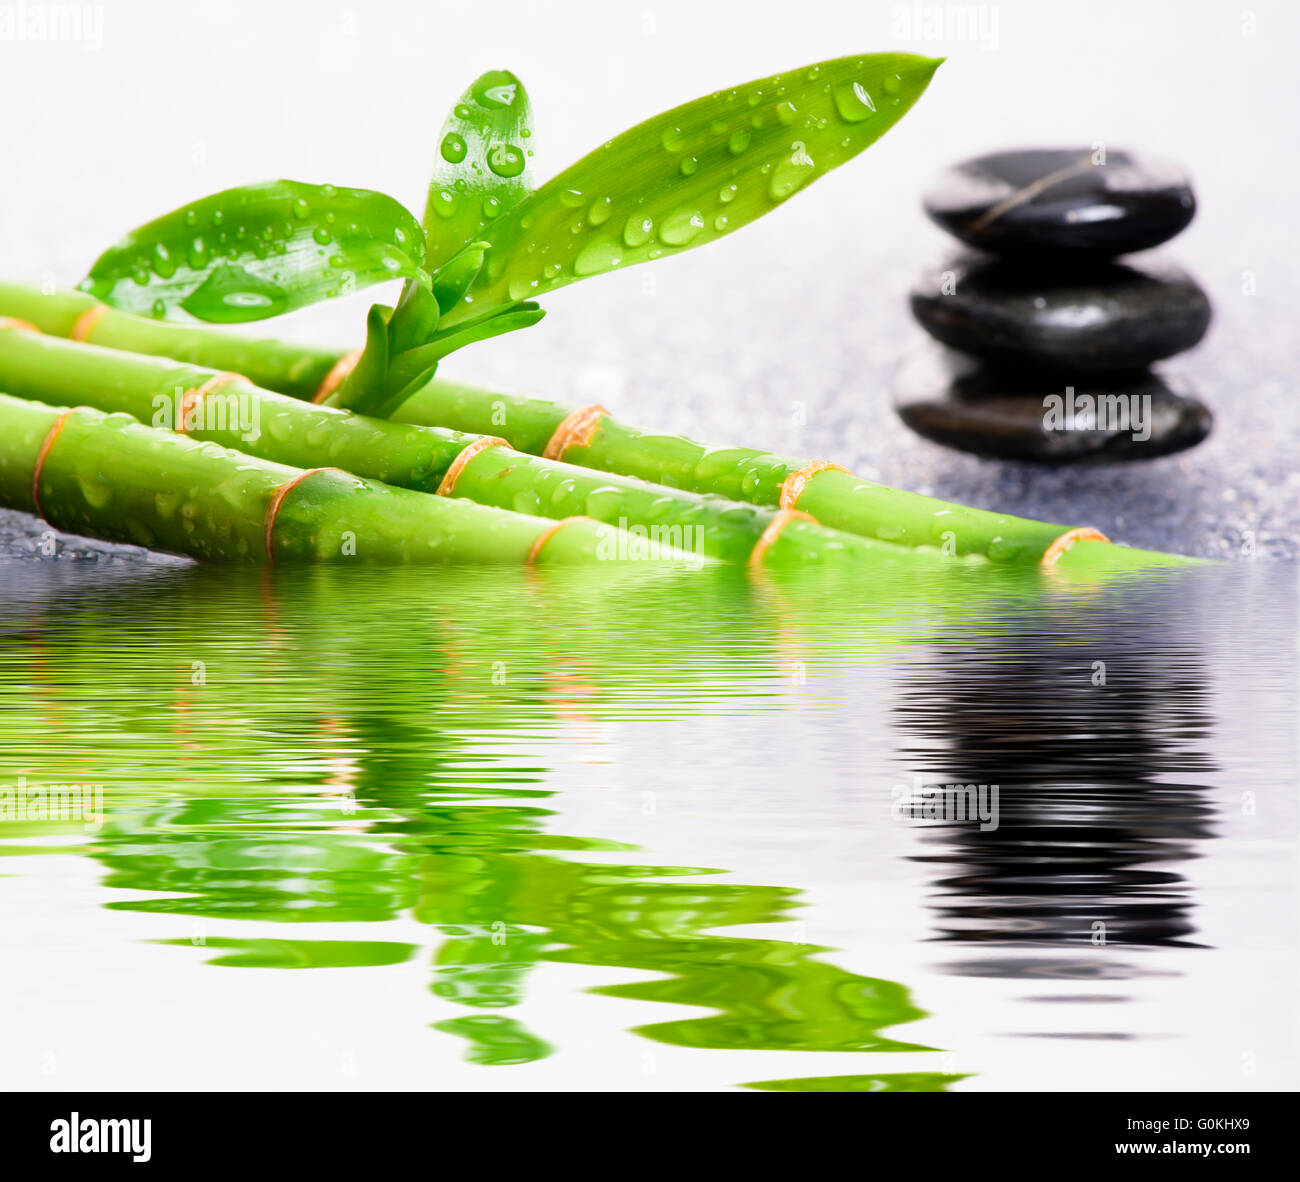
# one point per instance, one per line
(51, 435)
(86, 322)
(1065, 543)
(19, 325)
(576, 429)
(792, 487)
(463, 457)
(277, 500)
(769, 536)
(192, 399)
(338, 371)
(547, 535)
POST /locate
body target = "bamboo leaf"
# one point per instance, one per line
(694, 173)
(258, 251)
(483, 164)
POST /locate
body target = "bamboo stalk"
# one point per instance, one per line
(833, 497)
(110, 477)
(229, 410)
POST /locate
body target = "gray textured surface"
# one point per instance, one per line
(783, 336)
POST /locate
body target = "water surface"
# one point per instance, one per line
(641, 830)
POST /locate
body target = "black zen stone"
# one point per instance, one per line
(1060, 199)
(957, 401)
(1088, 318)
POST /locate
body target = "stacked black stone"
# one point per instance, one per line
(1055, 333)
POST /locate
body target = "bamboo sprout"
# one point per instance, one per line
(228, 410)
(593, 438)
(107, 476)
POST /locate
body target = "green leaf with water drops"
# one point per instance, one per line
(694, 173)
(258, 251)
(482, 165)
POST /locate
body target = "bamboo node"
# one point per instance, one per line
(1065, 543)
(792, 487)
(576, 429)
(547, 535)
(774, 529)
(338, 371)
(192, 399)
(277, 500)
(463, 457)
(20, 325)
(51, 435)
(86, 322)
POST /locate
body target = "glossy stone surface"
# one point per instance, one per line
(1088, 318)
(956, 401)
(1061, 199)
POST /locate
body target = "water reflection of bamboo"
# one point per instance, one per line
(251, 838)
(1089, 725)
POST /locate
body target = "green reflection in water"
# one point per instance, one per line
(326, 746)
(912, 1081)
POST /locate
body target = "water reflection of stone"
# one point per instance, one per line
(1097, 795)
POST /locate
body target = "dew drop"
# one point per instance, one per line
(738, 142)
(728, 193)
(854, 103)
(301, 209)
(673, 139)
(598, 214)
(681, 227)
(786, 113)
(191, 218)
(596, 257)
(491, 207)
(572, 198)
(453, 148)
(444, 203)
(163, 266)
(689, 166)
(505, 160)
(520, 288)
(637, 230)
(322, 235)
(721, 222)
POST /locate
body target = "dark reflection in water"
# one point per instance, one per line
(1094, 725)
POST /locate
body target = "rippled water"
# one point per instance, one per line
(641, 830)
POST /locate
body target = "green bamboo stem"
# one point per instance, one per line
(236, 414)
(110, 477)
(835, 498)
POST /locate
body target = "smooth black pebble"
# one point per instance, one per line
(1096, 317)
(1060, 199)
(954, 400)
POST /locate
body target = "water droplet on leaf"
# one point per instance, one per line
(854, 103)
(453, 148)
